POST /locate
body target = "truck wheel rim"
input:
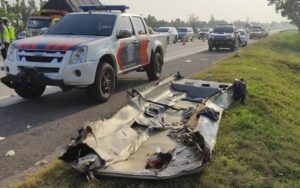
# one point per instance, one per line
(106, 83)
(158, 65)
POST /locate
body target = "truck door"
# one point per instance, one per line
(127, 49)
(144, 41)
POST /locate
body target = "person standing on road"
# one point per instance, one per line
(6, 37)
(11, 31)
(237, 43)
(2, 28)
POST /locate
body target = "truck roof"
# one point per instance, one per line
(107, 13)
(69, 5)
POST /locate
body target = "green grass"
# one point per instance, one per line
(258, 143)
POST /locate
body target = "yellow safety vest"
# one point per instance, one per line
(6, 35)
(11, 31)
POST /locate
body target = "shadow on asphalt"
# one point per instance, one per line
(15, 118)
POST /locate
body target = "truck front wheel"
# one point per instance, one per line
(154, 69)
(104, 85)
(30, 92)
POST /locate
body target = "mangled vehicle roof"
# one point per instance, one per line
(165, 131)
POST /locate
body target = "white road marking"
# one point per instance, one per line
(168, 59)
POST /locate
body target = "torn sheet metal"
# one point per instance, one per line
(165, 131)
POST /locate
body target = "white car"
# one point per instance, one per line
(85, 50)
(185, 33)
(244, 37)
(171, 32)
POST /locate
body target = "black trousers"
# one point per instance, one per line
(4, 50)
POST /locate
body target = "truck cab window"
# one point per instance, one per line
(139, 26)
(125, 24)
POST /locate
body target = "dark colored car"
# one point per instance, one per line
(223, 37)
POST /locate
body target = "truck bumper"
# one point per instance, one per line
(75, 75)
(221, 43)
(29, 77)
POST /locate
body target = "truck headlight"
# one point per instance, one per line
(79, 55)
(11, 52)
(211, 37)
(228, 37)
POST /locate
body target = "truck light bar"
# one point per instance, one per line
(121, 8)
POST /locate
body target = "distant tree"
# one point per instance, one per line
(177, 23)
(212, 20)
(194, 21)
(289, 9)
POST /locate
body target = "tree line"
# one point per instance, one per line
(195, 22)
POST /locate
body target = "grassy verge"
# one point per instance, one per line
(258, 143)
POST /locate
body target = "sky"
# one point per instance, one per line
(229, 10)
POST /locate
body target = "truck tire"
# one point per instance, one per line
(30, 92)
(210, 48)
(175, 40)
(104, 84)
(232, 48)
(154, 69)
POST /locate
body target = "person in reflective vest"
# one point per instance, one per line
(11, 31)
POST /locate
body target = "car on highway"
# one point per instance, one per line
(171, 32)
(244, 37)
(186, 33)
(223, 37)
(256, 33)
(108, 43)
(204, 33)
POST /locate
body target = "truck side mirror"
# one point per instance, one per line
(44, 30)
(124, 34)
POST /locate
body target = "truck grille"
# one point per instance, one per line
(42, 69)
(37, 56)
(41, 59)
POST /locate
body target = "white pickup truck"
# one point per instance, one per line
(85, 50)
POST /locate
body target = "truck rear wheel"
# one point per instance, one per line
(155, 68)
(104, 84)
(30, 92)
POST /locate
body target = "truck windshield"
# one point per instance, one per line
(163, 30)
(36, 23)
(84, 24)
(182, 30)
(221, 30)
(242, 32)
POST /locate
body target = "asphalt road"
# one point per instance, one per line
(56, 117)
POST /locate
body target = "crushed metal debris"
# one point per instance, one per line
(179, 116)
(10, 153)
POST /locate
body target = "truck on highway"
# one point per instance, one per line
(40, 23)
(224, 36)
(50, 14)
(85, 50)
(256, 33)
